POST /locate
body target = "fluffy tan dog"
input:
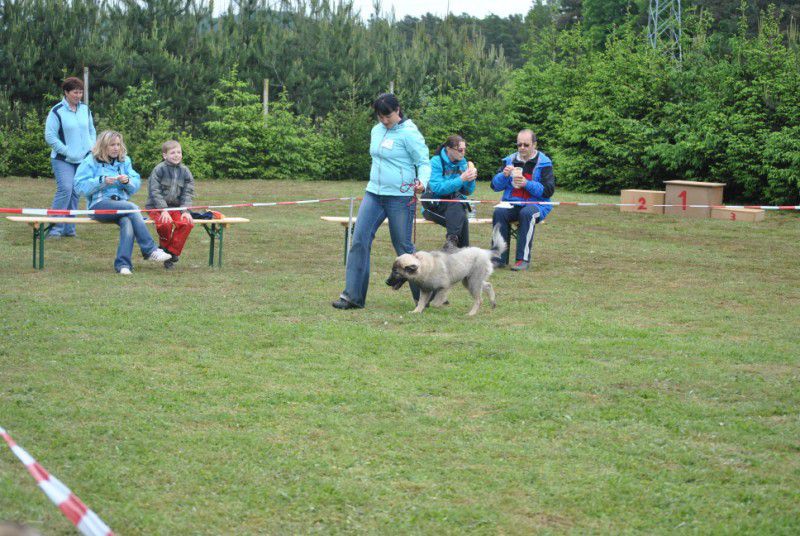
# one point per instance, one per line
(436, 272)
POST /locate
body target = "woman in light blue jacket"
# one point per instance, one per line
(400, 169)
(107, 179)
(69, 131)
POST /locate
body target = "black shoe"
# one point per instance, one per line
(497, 262)
(169, 265)
(174, 258)
(450, 244)
(341, 303)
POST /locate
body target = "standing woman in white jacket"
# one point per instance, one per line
(400, 169)
(69, 131)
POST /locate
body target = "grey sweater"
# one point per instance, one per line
(170, 186)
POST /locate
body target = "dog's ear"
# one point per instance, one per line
(416, 255)
(411, 268)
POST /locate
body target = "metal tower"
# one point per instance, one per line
(664, 26)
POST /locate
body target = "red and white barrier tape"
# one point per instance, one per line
(85, 520)
(588, 204)
(58, 212)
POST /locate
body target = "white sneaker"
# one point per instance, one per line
(159, 255)
(125, 271)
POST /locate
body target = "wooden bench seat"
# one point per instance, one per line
(42, 224)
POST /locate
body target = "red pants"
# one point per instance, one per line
(172, 236)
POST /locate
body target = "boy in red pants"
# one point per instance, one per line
(171, 185)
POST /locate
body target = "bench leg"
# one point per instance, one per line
(39, 233)
(215, 232)
(346, 250)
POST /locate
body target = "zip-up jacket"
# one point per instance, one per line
(541, 181)
(90, 180)
(399, 155)
(170, 186)
(71, 135)
(446, 177)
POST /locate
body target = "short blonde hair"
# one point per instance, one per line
(104, 139)
(168, 145)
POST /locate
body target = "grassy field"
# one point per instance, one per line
(642, 378)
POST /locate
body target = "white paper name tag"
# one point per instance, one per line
(387, 144)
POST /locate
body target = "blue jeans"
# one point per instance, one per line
(373, 211)
(66, 198)
(527, 216)
(130, 226)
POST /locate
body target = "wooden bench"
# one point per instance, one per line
(42, 224)
(342, 220)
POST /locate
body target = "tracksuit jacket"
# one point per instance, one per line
(70, 134)
(90, 180)
(399, 156)
(541, 181)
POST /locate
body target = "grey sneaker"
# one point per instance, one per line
(520, 266)
(159, 255)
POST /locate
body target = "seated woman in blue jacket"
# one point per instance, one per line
(452, 177)
(107, 178)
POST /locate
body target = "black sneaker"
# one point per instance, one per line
(169, 265)
(341, 303)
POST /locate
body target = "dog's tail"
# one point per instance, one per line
(498, 244)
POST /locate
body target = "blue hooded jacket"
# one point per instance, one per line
(446, 176)
(399, 155)
(90, 180)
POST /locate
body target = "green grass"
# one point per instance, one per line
(643, 378)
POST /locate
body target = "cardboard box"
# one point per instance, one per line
(644, 201)
(738, 214)
(683, 194)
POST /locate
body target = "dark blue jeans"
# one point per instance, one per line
(131, 226)
(373, 211)
(527, 216)
(66, 198)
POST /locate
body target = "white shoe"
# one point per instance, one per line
(159, 255)
(125, 271)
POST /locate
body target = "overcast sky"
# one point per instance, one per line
(415, 8)
(477, 8)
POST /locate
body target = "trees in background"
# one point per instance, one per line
(611, 111)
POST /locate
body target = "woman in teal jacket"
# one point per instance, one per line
(400, 169)
(107, 178)
(451, 178)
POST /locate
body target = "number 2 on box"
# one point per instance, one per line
(642, 204)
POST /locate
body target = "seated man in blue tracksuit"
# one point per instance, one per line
(451, 178)
(526, 175)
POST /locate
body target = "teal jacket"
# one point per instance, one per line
(399, 155)
(446, 177)
(70, 135)
(90, 180)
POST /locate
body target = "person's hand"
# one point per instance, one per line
(110, 180)
(507, 170)
(187, 217)
(520, 182)
(418, 188)
(469, 175)
(165, 217)
(123, 179)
